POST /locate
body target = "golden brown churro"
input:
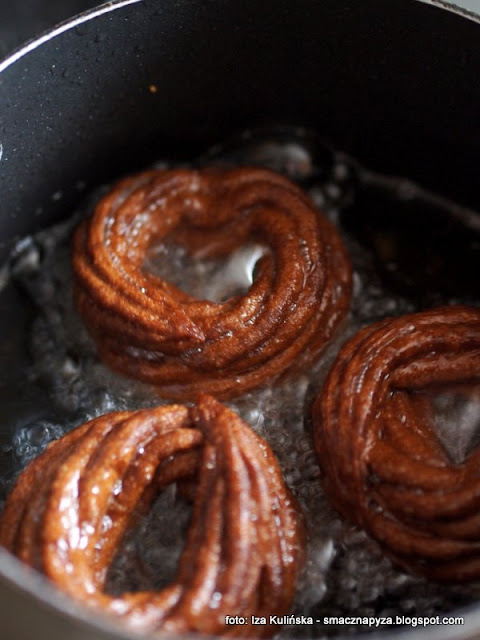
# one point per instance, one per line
(149, 329)
(71, 506)
(383, 466)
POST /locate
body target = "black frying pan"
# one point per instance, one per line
(395, 84)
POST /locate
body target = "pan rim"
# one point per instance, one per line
(60, 28)
(85, 16)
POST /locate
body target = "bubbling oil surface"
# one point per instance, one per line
(346, 574)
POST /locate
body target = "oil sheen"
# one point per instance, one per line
(410, 250)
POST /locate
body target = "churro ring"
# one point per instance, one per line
(245, 543)
(147, 328)
(383, 465)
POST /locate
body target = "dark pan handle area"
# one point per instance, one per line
(394, 83)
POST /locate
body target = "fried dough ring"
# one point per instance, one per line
(147, 328)
(70, 508)
(383, 466)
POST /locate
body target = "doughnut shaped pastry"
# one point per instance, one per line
(71, 506)
(383, 466)
(147, 328)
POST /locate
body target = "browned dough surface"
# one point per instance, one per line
(383, 465)
(71, 507)
(147, 328)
